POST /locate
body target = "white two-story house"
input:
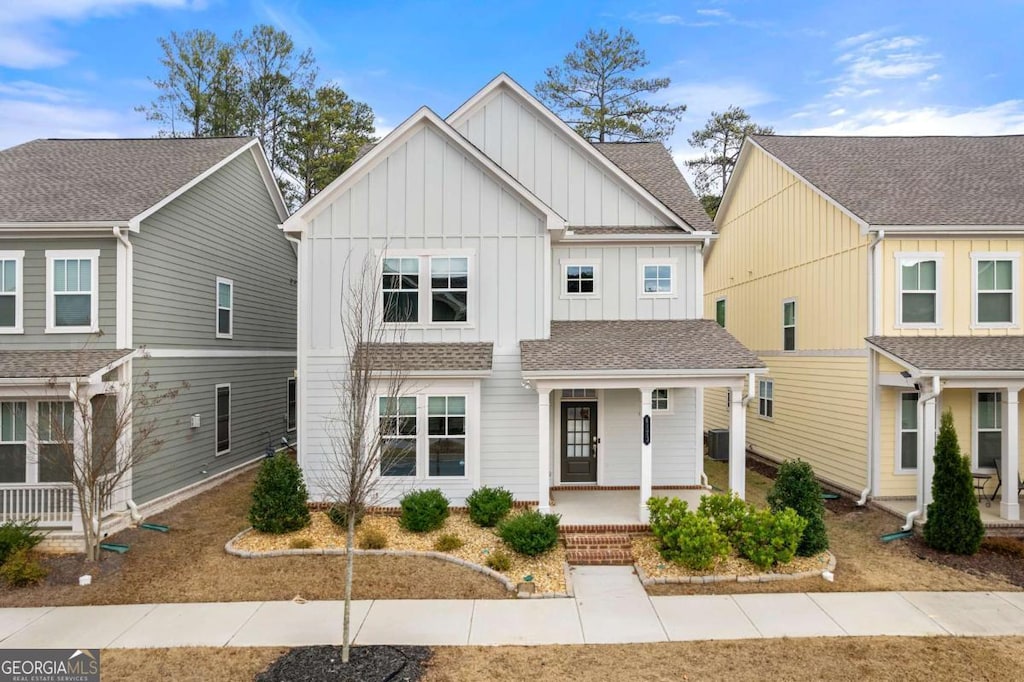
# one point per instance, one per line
(548, 294)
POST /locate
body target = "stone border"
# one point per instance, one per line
(757, 578)
(509, 585)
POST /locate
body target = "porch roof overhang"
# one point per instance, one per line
(52, 367)
(447, 360)
(955, 357)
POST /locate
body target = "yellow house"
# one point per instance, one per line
(879, 281)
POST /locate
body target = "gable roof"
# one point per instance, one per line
(105, 180)
(923, 181)
(651, 165)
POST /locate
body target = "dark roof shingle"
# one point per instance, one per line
(636, 345)
(956, 353)
(51, 364)
(913, 180)
(429, 357)
(95, 180)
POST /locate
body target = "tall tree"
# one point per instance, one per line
(721, 138)
(595, 91)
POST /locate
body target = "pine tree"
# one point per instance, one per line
(954, 520)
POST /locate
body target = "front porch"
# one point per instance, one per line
(610, 507)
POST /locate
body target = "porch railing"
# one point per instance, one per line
(52, 503)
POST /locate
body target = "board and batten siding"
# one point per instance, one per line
(551, 165)
(226, 226)
(34, 294)
(259, 407)
(619, 290)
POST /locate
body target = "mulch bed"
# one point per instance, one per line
(65, 569)
(366, 664)
(998, 556)
(762, 467)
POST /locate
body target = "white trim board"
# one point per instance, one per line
(215, 353)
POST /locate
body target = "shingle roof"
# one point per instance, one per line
(92, 180)
(627, 229)
(636, 345)
(913, 180)
(430, 357)
(956, 353)
(651, 165)
(47, 364)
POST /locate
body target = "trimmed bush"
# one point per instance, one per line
(727, 511)
(692, 540)
(770, 538)
(488, 506)
(22, 568)
(499, 560)
(448, 543)
(954, 520)
(423, 510)
(796, 488)
(530, 533)
(15, 535)
(666, 513)
(301, 543)
(371, 538)
(279, 497)
(338, 514)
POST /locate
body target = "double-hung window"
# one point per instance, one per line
(995, 277)
(918, 293)
(657, 280)
(10, 292)
(13, 441)
(223, 418)
(766, 398)
(398, 435)
(580, 279)
(449, 289)
(225, 308)
(990, 430)
(293, 412)
(72, 302)
(789, 325)
(446, 431)
(906, 458)
(401, 286)
(56, 430)
(659, 400)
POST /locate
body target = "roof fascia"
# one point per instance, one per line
(83, 225)
(645, 373)
(506, 81)
(259, 155)
(948, 230)
(97, 376)
(914, 371)
(620, 238)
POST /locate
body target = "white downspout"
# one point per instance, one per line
(921, 400)
(121, 234)
(750, 390)
(874, 256)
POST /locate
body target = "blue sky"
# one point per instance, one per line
(72, 68)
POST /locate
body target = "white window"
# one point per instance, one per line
(401, 286)
(225, 308)
(789, 325)
(446, 432)
(579, 279)
(906, 441)
(72, 297)
(657, 280)
(223, 418)
(660, 400)
(918, 299)
(11, 295)
(293, 412)
(996, 281)
(397, 424)
(720, 312)
(578, 393)
(766, 398)
(56, 431)
(13, 442)
(989, 432)
(449, 289)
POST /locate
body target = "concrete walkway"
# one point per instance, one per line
(610, 607)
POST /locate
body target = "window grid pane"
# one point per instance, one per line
(398, 429)
(8, 276)
(400, 285)
(659, 399)
(919, 294)
(579, 279)
(657, 279)
(13, 422)
(446, 426)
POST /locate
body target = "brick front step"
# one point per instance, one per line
(599, 557)
(597, 541)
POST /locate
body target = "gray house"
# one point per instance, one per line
(136, 262)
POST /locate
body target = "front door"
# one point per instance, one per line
(579, 442)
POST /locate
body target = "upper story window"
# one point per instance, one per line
(918, 302)
(401, 287)
(995, 289)
(449, 289)
(720, 312)
(72, 283)
(579, 278)
(789, 325)
(225, 308)
(10, 292)
(427, 289)
(657, 279)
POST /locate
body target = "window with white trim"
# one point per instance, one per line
(397, 427)
(225, 308)
(789, 325)
(660, 400)
(720, 312)
(11, 295)
(658, 280)
(56, 435)
(446, 432)
(766, 398)
(72, 301)
(293, 410)
(401, 286)
(223, 418)
(580, 279)
(906, 442)
(579, 393)
(918, 292)
(995, 295)
(13, 441)
(449, 289)
(989, 432)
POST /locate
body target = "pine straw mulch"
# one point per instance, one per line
(645, 554)
(547, 570)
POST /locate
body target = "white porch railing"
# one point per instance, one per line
(53, 504)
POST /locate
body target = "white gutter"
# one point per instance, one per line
(874, 306)
(921, 400)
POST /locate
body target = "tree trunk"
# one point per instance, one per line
(349, 565)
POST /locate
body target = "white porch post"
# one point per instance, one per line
(737, 443)
(544, 450)
(1009, 508)
(645, 452)
(927, 462)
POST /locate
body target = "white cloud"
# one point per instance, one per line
(31, 90)
(872, 58)
(837, 112)
(713, 12)
(1002, 118)
(26, 120)
(701, 98)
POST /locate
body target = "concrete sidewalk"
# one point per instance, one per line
(610, 607)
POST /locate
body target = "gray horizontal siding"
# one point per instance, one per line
(224, 227)
(259, 403)
(34, 286)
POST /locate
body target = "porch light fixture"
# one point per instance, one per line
(527, 384)
(194, 423)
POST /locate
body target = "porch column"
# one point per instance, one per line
(926, 435)
(1009, 508)
(544, 450)
(646, 437)
(737, 443)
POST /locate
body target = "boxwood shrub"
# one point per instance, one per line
(530, 533)
(488, 506)
(423, 510)
(279, 497)
(770, 538)
(796, 488)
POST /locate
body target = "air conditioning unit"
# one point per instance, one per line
(718, 444)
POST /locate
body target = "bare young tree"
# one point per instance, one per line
(373, 410)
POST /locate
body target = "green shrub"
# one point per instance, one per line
(770, 538)
(423, 510)
(338, 514)
(954, 521)
(666, 513)
(499, 560)
(530, 533)
(301, 543)
(371, 538)
(488, 506)
(279, 497)
(682, 537)
(22, 568)
(16, 535)
(727, 511)
(448, 543)
(796, 488)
